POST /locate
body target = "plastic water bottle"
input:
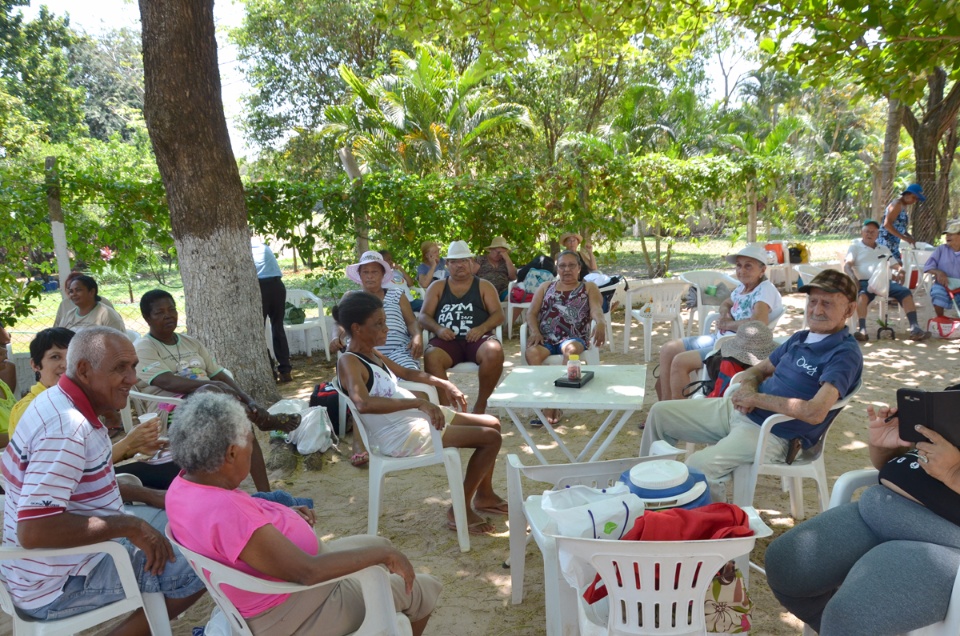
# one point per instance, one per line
(573, 368)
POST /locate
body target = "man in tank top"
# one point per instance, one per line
(462, 312)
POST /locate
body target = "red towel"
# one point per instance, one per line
(713, 521)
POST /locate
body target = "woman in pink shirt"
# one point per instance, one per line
(272, 541)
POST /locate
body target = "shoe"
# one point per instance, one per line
(861, 336)
(283, 378)
(919, 335)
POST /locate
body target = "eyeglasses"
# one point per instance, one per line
(569, 266)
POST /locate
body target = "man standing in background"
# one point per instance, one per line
(273, 295)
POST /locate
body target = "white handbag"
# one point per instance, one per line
(879, 282)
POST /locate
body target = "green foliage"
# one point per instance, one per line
(427, 116)
(292, 49)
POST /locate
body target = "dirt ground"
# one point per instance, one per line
(476, 597)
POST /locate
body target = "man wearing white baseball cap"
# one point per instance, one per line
(462, 311)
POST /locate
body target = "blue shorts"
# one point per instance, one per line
(897, 291)
(102, 585)
(939, 296)
(702, 344)
(557, 349)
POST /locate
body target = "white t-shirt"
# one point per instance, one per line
(865, 260)
(743, 303)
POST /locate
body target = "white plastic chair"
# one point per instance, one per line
(379, 618)
(914, 258)
(772, 319)
(590, 356)
(701, 279)
(380, 465)
(132, 335)
(302, 298)
(153, 604)
(809, 464)
(25, 373)
(560, 599)
(523, 307)
(667, 593)
(843, 490)
(665, 301)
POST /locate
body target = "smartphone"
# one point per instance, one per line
(937, 410)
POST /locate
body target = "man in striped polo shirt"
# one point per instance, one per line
(61, 492)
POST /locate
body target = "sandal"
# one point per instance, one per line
(536, 423)
(360, 459)
(499, 509)
(475, 527)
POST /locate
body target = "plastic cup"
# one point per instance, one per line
(147, 417)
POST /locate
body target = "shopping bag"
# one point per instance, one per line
(315, 433)
(728, 608)
(879, 282)
(581, 511)
(944, 327)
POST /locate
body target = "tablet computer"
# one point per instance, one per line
(937, 410)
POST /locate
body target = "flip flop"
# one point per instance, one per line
(536, 423)
(474, 528)
(360, 459)
(499, 509)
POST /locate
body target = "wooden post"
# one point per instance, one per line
(751, 215)
(57, 228)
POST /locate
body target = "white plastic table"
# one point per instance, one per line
(618, 389)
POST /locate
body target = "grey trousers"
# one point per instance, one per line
(881, 565)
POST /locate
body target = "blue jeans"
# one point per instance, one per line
(102, 585)
(896, 291)
(557, 349)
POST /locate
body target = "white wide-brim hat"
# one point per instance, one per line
(353, 271)
(459, 249)
(753, 250)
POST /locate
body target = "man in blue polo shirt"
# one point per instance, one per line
(803, 378)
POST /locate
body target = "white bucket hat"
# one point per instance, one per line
(459, 249)
(753, 250)
(353, 271)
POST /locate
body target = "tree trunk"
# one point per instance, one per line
(888, 162)
(183, 109)
(360, 223)
(934, 144)
(751, 214)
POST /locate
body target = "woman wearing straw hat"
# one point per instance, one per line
(496, 266)
(896, 219)
(754, 299)
(588, 262)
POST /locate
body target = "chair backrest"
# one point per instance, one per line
(132, 335)
(665, 296)
(653, 586)
(301, 297)
(775, 317)
(703, 278)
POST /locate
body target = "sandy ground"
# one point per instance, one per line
(476, 597)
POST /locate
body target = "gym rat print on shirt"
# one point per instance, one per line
(460, 317)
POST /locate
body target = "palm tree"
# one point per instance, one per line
(424, 117)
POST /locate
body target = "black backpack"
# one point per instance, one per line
(325, 394)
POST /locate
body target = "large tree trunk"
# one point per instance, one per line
(934, 144)
(888, 162)
(183, 109)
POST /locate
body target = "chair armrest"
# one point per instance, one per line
(708, 322)
(150, 397)
(848, 483)
(430, 390)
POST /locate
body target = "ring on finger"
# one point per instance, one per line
(923, 458)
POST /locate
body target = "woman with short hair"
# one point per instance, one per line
(271, 541)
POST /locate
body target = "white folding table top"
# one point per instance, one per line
(614, 387)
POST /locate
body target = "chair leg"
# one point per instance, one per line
(823, 490)
(451, 461)
(518, 537)
(796, 497)
(627, 319)
(155, 608)
(376, 488)
(744, 484)
(647, 339)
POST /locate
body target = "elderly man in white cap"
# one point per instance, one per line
(462, 311)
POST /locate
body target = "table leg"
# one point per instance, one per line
(525, 435)
(613, 433)
(554, 435)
